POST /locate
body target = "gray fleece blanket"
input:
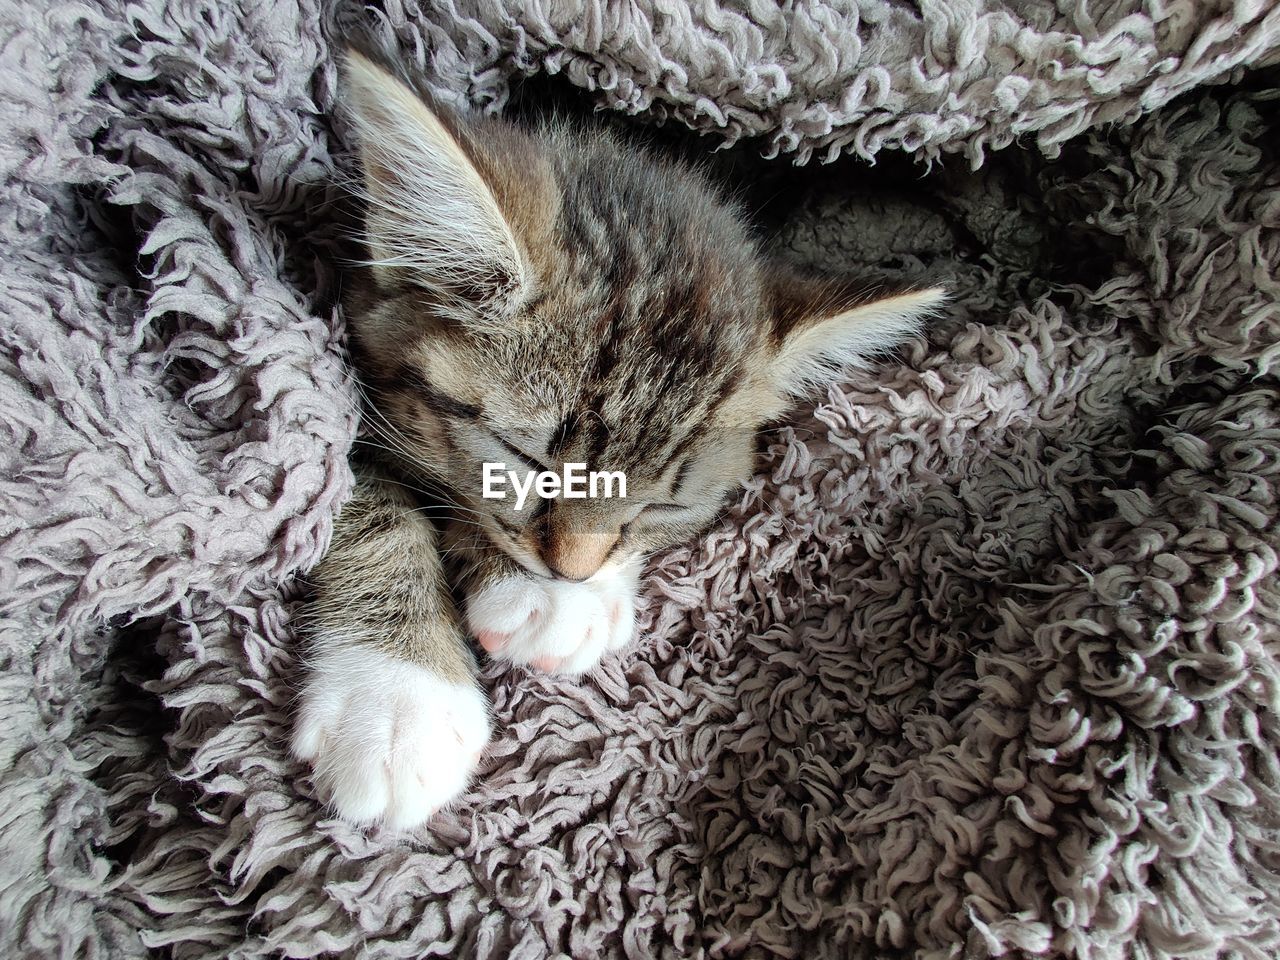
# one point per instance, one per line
(983, 662)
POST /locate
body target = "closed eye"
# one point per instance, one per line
(660, 507)
(682, 474)
(518, 453)
(510, 528)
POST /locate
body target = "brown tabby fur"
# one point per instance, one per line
(622, 318)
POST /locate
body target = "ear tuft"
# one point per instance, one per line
(431, 219)
(825, 328)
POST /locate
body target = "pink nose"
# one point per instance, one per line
(576, 557)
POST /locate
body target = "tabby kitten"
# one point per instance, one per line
(533, 298)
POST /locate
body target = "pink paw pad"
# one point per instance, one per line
(547, 664)
(491, 640)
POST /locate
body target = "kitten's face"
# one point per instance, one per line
(551, 298)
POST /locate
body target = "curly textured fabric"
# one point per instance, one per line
(984, 663)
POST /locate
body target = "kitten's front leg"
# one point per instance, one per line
(390, 716)
(550, 625)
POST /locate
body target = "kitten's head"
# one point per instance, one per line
(537, 298)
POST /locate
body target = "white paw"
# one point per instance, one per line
(553, 625)
(389, 741)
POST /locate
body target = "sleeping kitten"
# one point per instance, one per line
(534, 298)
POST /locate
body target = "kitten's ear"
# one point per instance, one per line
(431, 218)
(824, 327)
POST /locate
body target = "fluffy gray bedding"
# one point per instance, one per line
(984, 663)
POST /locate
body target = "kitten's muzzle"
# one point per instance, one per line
(576, 557)
(559, 575)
